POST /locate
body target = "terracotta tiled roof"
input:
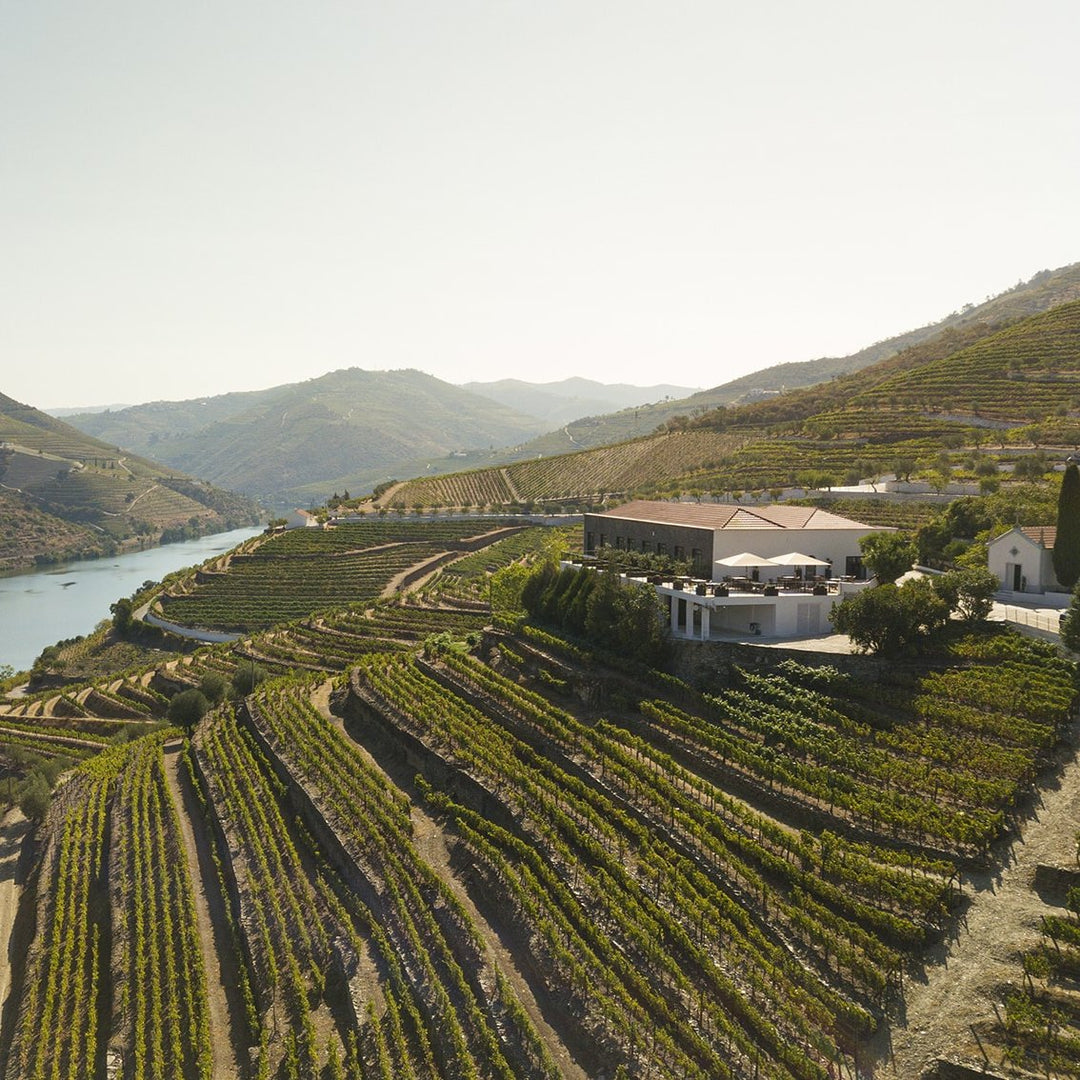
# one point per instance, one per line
(729, 516)
(1041, 534)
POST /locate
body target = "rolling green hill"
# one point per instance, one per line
(64, 494)
(945, 391)
(353, 430)
(300, 442)
(773, 388)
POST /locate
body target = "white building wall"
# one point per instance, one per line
(834, 545)
(1019, 563)
(784, 616)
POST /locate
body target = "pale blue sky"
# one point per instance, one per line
(204, 197)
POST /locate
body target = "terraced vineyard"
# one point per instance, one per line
(335, 641)
(1039, 1027)
(591, 473)
(115, 972)
(296, 573)
(428, 849)
(1016, 374)
(965, 389)
(65, 494)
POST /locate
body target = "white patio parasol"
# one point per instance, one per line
(797, 558)
(746, 558)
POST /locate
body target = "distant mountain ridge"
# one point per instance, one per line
(81, 410)
(301, 441)
(568, 399)
(353, 430)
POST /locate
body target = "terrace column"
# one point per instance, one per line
(674, 614)
(705, 612)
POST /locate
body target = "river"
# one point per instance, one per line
(62, 601)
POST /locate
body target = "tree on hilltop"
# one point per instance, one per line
(1066, 554)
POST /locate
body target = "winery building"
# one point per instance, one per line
(707, 533)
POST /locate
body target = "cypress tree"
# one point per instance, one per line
(1067, 541)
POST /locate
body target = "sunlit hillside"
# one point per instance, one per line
(969, 387)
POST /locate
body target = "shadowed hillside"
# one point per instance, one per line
(64, 494)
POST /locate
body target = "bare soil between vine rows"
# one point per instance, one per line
(966, 975)
(218, 957)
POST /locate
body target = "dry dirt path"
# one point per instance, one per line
(964, 976)
(394, 585)
(431, 844)
(13, 830)
(214, 942)
(514, 493)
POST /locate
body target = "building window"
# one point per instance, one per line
(603, 539)
(661, 549)
(680, 551)
(619, 543)
(589, 542)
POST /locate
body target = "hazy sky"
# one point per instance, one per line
(200, 197)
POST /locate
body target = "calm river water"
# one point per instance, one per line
(62, 601)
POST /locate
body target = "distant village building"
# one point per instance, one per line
(1023, 559)
(300, 519)
(776, 571)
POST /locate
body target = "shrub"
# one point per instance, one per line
(34, 801)
(888, 555)
(1070, 629)
(892, 620)
(188, 708)
(969, 593)
(214, 687)
(247, 677)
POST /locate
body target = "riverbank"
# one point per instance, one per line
(110, 548)
(58, 603)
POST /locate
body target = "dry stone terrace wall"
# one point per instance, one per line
(711, 663)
